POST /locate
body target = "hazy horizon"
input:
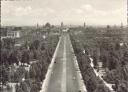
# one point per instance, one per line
(71, 12)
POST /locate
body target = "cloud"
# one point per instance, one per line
(87, 7)
(24, 14)
(67, 11)
(21, 11)
(96, 16)
(29, 11)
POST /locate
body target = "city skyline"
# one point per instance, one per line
(74, 12)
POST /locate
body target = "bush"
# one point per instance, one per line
(101, 88)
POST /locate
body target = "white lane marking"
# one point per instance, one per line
(63, 84)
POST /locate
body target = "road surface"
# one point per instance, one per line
(64, 76)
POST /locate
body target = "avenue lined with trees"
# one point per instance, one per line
(106, 46)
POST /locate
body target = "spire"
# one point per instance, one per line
(121, 25)
(84, 24)
(37, 25)
(62, 24)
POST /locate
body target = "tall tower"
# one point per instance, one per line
(84, 24)
(37, 25)
(62, 24)
(121, 25)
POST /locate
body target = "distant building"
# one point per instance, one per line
(62, 24)
(65, 29)
(14, 34)
(84, 24)
(3, 33)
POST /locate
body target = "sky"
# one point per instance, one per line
(74, 12)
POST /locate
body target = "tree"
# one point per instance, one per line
(91, 85)
(3, 75)
(26, 45)
(27, 75)
(13, 58)
(43, 46)
(124, 58)
(123, 86)
(8, 43)
(35, 45)
(102, 88)
(95, 59)
(25, 57)
(35, 87)
(4, 58)
(35, 72)
(19, 89)
(32, 72)
(117, 46)
(19, 74)
(124, 72)
(24, 87)
(112, 61)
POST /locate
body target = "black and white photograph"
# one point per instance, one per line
(63, 45)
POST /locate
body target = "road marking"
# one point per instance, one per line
(63, 84)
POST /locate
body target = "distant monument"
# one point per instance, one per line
(62, 24)
(121, 25)
(37, 25)
(84, 24)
